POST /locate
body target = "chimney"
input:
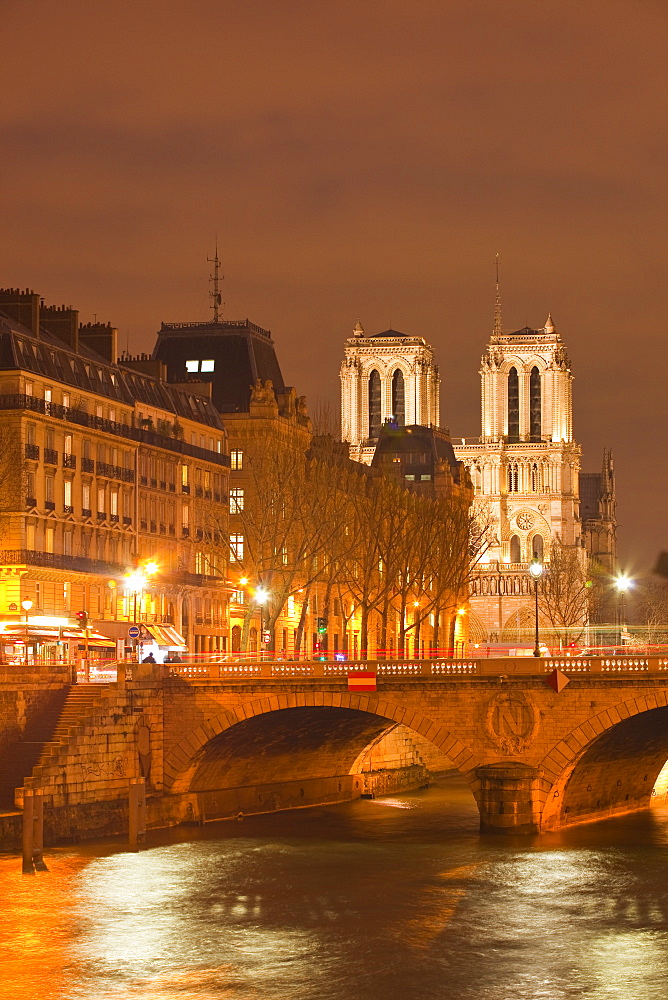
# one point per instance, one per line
(101, 338)
(61, 322)
(21, 306)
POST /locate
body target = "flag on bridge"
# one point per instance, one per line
(362, 680)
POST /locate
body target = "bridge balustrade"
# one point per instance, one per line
(494, 667)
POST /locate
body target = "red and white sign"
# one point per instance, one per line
(362, 680)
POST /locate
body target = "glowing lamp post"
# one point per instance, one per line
(261, 597)
(622, 583)
(26, 605)
(536, 570)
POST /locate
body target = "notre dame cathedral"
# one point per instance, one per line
(524, 466)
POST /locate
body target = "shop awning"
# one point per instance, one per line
(165, 635)
(13, 632)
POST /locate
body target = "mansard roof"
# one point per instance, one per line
(45, 355)
(417, 445)
(241, 351)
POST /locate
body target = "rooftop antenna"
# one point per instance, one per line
(215, 296)
(497, 303)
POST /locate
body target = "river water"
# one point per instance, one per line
(393, 899)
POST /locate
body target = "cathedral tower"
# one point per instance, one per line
(385, 376)
(525, 467)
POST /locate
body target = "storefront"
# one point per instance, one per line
(53, 640)
(162, 641)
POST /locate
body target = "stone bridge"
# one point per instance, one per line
(218, 740)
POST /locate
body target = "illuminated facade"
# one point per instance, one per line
(114, 468)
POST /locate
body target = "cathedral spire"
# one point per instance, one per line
(497, 303)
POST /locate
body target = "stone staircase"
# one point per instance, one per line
(43, 735)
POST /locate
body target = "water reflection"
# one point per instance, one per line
(398, 898)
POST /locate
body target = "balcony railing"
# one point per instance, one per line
(20, 401)
(87, 465)
(51, 456)
(32, 451)
(69, 461)
(56, 560)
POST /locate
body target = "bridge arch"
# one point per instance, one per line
(374, 714)
(606, 766)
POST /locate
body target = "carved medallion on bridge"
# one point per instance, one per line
(511, 722)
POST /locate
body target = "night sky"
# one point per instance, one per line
(360, 159)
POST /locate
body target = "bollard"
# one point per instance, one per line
(28, 832)
(38, 830)
(137, 812)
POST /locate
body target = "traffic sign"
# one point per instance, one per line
(134, 631)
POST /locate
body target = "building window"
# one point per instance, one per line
(207, 366)
(513, 405)
(48, 488)
(30, 434)
(534, 406)
(374, 404)
(237, 547)
(236, 501)
(85, 496)
(49, 537)
(68, 444)
(113, 503)
(30, 537)
(67, 492)
(184, 475)
(238, 597)
(513, 478)
(398, 398)
(537, 547)
(192, 366)
(100, 500)
(185, 516)
(67, 587)
(236, 460)
(67, 549)
(29, 388)
(66, 399)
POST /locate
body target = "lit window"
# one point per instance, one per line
(114, 503)
(192, 366)
(236, 501)
(49, 536)
(100, 500)
(410, 478)
(68, 444)
(29, 388)
(236, 461)
(66, 399)
(207, 366)
(67, 492)
(85, 496)
(237, 547)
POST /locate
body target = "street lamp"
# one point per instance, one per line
(622, 583)
(135, 583)
(261, 597)
(26, 605)
(536, 570)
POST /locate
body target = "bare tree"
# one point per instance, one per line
(565, 592)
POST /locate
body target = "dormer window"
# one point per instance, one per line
(192, 366)
(207, 365)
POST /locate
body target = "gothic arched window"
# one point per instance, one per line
(535, 478)
(537, 547)
(513, 405)
(398, 403)
(374, 404)
(514, 549)
(534, 406)
(513, 478)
